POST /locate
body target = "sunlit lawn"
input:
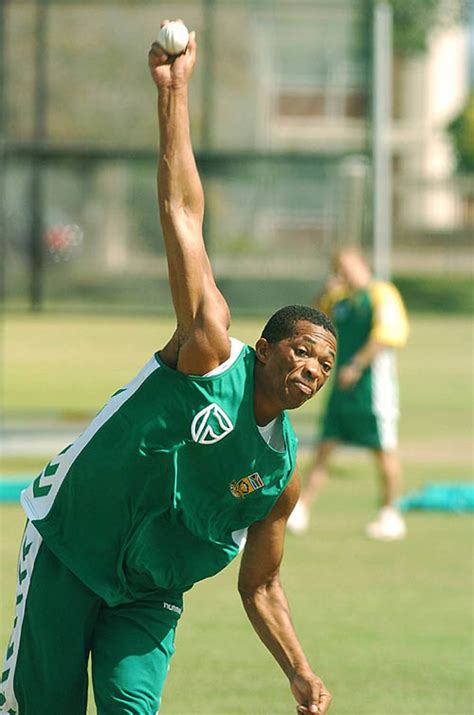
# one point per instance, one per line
(387, 626)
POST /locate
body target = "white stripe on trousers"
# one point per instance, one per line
(29, 549)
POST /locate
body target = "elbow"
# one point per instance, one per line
(246, 593)
(177, 218)
(180, 208)
(250, 598)
(252, 593)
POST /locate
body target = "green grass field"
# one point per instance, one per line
(387, 626)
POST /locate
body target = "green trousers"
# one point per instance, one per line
(59, 623)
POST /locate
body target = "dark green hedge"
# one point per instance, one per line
(451, 293)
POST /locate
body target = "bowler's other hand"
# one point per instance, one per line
(170, 71)
(311, 694)
(348, 376)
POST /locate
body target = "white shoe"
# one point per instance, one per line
(388, 526)
(298, 521)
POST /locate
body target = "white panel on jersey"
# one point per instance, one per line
(236, 347)
(240, 538)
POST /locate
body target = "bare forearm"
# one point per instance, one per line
(181, 202)
(350, 373)
(269, 613)
(366, 354)
(179, 186)
(267, 607)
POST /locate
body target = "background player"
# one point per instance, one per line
(191, 461)
(363, 406)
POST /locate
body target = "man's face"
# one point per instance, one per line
(298, 366)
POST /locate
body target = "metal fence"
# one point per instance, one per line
(279, 99)
(280, 106)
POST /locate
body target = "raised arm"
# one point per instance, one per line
(201, 341)
(267, 607)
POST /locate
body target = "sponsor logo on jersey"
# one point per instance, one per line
(246, 485)
(172, 607)
(210, 425)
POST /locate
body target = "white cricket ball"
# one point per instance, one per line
(173, 38)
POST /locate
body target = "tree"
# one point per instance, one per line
(461, 130)
(413, 20)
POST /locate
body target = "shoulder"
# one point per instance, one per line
(381, 291)
(203, 350)
(390, 318)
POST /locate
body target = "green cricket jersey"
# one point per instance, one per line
(158, 491)
(376, 312)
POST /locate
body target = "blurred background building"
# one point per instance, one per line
(281, 116)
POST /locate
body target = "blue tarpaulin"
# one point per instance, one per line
(10, 489)
(455, 497)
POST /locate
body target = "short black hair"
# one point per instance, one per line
(282, 323)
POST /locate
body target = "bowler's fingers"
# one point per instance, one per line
(324, 701)
(167, 22)
(157, 56)
(192, 44)
(319, 705)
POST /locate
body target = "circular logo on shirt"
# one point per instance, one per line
(210, 425)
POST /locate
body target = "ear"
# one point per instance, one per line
(262, 349)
